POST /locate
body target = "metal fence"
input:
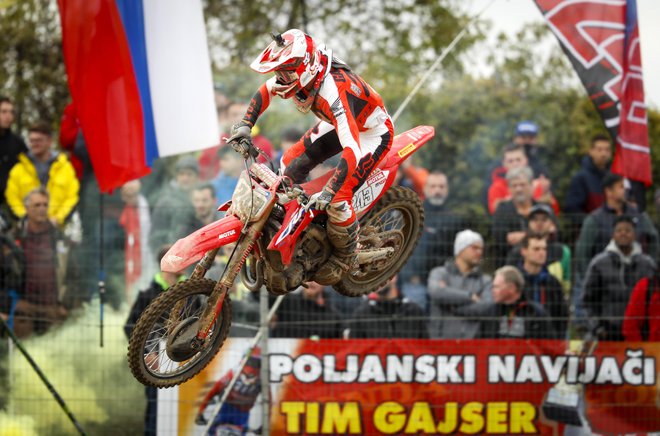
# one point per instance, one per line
(81, 348)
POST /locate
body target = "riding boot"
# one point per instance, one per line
(344, 240)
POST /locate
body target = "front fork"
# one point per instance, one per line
(244, 247)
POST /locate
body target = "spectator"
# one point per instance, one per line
(541, 220)
(308, 314)
(11, 145)
(411, 176)
(510, 219)
(435, 244)
(515, 157)
(641, 321)
(231, 166)
(161, 282)
(611, 277)
(511, 314)
(174, 205)
(209, 159)
(42, 166)
(206, 211)
(135, 219)
(585, 193)
(12, 272)
(460, 282)
(540, 286)
(39, 306)
(526, 134)
(70, 140)
(387, 314)
(596, 230)
(290, 135)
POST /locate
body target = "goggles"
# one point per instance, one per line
(286, 77)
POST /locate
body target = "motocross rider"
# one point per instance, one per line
(354, 121)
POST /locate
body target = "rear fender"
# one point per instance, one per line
(192, 248)
(406, 144)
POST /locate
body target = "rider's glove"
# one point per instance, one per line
(240, 130)
(200, 420)
(320, 200)
(240, 138)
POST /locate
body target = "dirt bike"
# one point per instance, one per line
(280, 242)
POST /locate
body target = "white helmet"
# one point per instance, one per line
(296, 62)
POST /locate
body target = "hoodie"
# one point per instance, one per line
(608, 284)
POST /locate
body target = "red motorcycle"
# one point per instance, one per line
(279, 242)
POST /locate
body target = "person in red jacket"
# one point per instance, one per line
(354, 124)
(641, 321)
(69, 130)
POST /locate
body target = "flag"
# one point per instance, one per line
(601, 38)
(140, 77)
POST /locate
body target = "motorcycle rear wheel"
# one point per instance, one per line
(148, 356)
(400, 209)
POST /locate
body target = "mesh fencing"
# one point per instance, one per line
(440, 304)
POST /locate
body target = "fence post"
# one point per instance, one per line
(265, 368)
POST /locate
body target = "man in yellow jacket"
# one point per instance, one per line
(42, 166)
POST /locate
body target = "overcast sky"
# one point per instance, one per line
(510, 15)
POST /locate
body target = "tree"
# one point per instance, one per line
(386, 41)
(31, 66)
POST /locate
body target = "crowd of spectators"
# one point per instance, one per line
(558, 271)
(528, 267)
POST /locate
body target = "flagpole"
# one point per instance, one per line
(437, 62)
(101, 283)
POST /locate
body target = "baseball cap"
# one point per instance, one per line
(527, 128)
(541, 208)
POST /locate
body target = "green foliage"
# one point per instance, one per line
(387, 41)
(31, 65)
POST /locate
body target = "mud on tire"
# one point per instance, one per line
(396, 200)
(154, 312)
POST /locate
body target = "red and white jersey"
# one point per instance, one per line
(348, 104)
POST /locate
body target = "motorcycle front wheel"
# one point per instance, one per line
(159, 354)
(396, 221)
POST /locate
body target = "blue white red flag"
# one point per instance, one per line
(140, 77)
(601, 38)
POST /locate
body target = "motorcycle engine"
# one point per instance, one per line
(312, 250)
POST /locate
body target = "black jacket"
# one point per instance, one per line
(299, 317)
(505, 220)
(608, 285)
(399, 318)
(143, 299)
(523, 319)
(585, 193)
(11, 145)
(545, 290)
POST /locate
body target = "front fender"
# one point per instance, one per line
(192, 248)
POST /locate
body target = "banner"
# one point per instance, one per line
(140, 76)
(431, 387)
(601, 39)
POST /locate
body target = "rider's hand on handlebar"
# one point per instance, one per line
(240, 130)
(200, 420)
(320, 200)
(241, 140)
